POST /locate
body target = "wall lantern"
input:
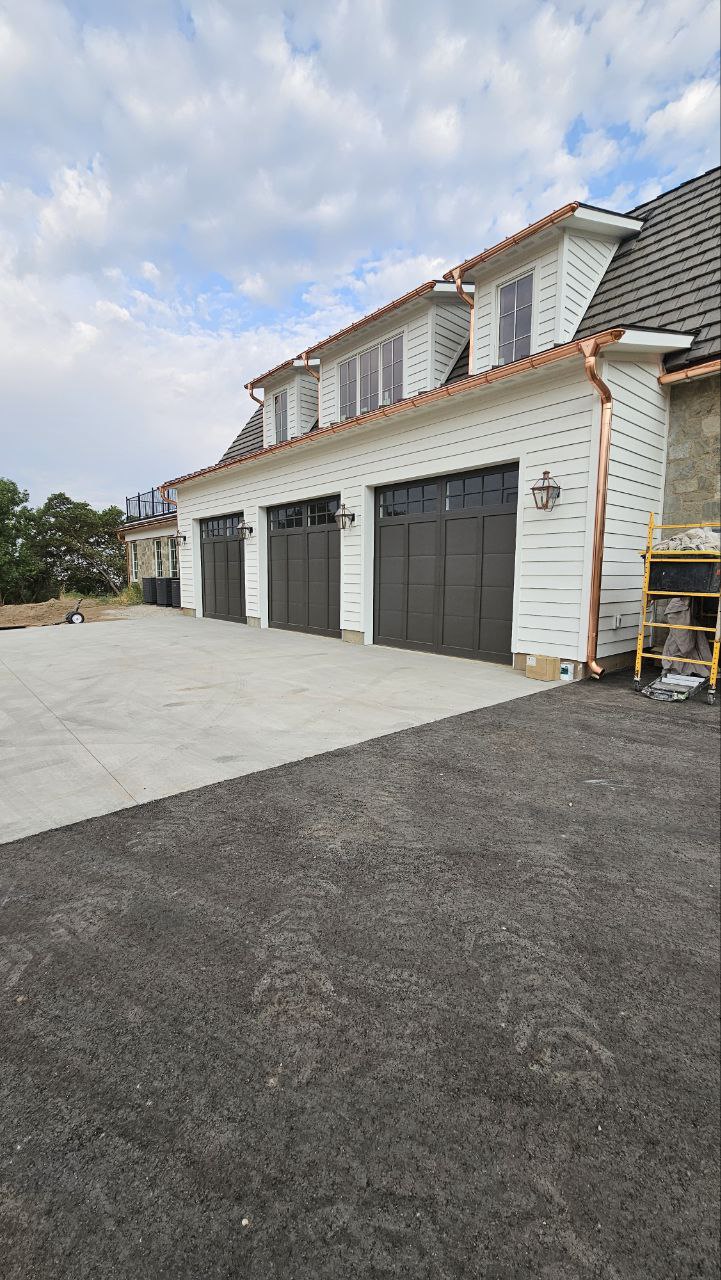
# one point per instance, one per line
(245, 531)
(343, 517)
(181, 538)
(546, 492)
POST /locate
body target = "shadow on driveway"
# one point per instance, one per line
(443, 1004)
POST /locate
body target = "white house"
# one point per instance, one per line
(421, 431)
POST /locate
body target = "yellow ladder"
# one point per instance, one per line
(652, 556)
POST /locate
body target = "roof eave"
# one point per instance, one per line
(462, 386)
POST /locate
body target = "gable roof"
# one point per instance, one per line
(249, 440)
(667, 277)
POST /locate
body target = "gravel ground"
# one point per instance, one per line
(440, 1005)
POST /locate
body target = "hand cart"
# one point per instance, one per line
(691, 573)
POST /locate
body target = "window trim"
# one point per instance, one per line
(356, 356)
(158, 557)
(518, 274)
(134, 561)
(173, 560)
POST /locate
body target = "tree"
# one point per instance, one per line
(20, 568)
(78, 546)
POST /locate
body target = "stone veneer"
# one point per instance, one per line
(146, 556)
(694, 442)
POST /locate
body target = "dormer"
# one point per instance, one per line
(532, 290)
(290, 401)
(401, 350)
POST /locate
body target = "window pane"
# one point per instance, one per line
(473, 484)
(524, 291)
(454, 501)
(492, 481)
(508, 298)
(505, 330)
(523, 348)
(505, 354)
(455, 487)
(523, 322)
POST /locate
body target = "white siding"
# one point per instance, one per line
(635, 488)
(307, 402)
(415, 373)
(543, 420)
(585, 259)
(451, 325)
(545, 304)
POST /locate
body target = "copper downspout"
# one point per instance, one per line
(589, 351)
(470, 300)
(314, 373)
(250, 388)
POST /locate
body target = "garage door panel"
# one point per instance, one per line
(307, 575)
(444, 580)
(223, 569)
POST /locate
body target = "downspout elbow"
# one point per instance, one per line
(250, 388)
(589, 352)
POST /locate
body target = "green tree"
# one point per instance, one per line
(78, 546)
(20, 567)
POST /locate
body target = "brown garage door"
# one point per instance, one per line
(444, 563)
(223, 568)
(304, 567)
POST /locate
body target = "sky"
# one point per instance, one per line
(191, 192)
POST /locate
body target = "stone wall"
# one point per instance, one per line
(146, 557)
(694, 444)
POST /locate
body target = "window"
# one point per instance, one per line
(348, 389)
(514, 325)
(133, 562)
(482, 489)
(409, 500)
(173, 545)
(373, 378)
(286, 518)
(323, 511)
(221, 526)
(158, 549)
(280, 405)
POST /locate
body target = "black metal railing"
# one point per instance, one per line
(143, 506)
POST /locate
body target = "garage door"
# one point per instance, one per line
(444, 563)
(304, 566)
(223, 569)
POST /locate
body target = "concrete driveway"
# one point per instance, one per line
(102, 717)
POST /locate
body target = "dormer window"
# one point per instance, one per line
(514, 325)
(373, 378)
(280, 406)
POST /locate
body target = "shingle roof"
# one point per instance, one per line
(667, 277)
(249, 440)
(460, 368)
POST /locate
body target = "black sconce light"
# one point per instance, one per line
(343, 517)
(546, 492)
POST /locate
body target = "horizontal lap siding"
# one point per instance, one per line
(635, 488)
(269, 411)
(550, 421)
(416, 354)
(308, 402)
(452, 322)
(585, 260)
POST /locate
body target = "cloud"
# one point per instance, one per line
(191, 192)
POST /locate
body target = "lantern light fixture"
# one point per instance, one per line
(245, 531)
(546, 492)
(343, 517)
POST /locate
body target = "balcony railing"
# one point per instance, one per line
(143, 506)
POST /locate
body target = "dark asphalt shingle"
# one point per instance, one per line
(667, 277)
(249, 440)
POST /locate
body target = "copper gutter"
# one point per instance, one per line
(469, 299)
(589, 349)
(464, 385)
(704, 370)
(550, 220)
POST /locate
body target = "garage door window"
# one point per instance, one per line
(221, 527)
(484, 489)
(286, 518)
(409, 500)
(322, 511)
